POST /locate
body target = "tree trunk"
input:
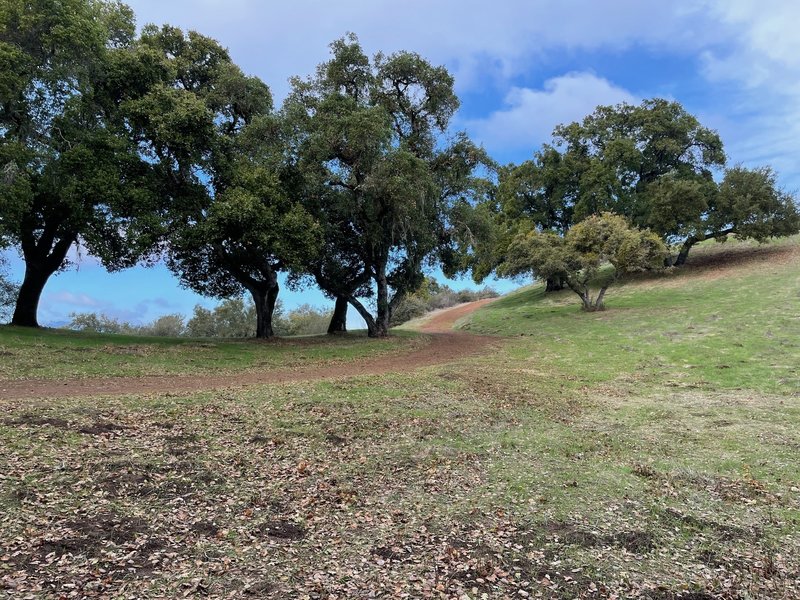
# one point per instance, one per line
(384, 314)
(264, 300)
(586, 300)
(582, 292)
(680, 260)
(25, 311)
(554, 284)
(42, 259)
(372, 328)
(598, 303)
(338, 323)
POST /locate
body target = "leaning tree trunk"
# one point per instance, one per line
(683, 254)
(586, 300)
(264, 299)
(598, 303)
(372, 328)
(30, 293)
(42, 259)
(338, 324)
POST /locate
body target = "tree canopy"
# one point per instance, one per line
(578, 256)
(71, 168)
(233, 226)
(654, 164)
(367, 136)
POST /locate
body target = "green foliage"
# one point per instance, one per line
(673, 205)
(90, 322)
(751, 205)
(618, 151)
(304, 320)
(373, 174)
(236, 318)
(71, 163)
(653, 164)
(578, 256)
(543, 190)
(8, 294)
(163, 326)
(231, 318)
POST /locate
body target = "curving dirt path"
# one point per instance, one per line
(445, 346)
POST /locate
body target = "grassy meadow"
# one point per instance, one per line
(647, 451)
(59, 353)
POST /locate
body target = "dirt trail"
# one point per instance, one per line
(445, 346)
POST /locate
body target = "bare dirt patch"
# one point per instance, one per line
(637, 542)
(101, 427)
(283, 530)
(34, 421)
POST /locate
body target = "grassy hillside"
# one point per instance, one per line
(649, 451)
(729, 320)
(57, 353)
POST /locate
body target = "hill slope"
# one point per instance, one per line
(649, 451)
(729, 319)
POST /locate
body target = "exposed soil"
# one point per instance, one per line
(93, 533)
(445, 345)
(283, 530)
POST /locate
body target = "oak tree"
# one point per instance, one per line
(367, 140)
(71, 168)
(211, 131)
(578, 256)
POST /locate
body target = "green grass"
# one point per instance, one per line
(57, 353)
(698, 327)
(649, 451)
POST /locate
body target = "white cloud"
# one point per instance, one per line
(761, 63)
(474, 38)
(764, 36)
(529, 115)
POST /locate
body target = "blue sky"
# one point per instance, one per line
(521, 67)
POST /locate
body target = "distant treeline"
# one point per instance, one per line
(236, 317)
(233, 318)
